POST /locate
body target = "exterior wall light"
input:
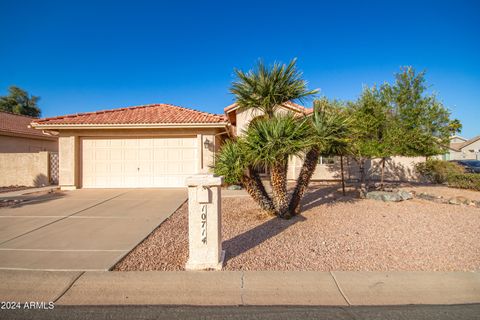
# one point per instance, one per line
(206, 143)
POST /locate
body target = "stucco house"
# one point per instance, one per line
(463, 149)
(150, 146)
(17, 137)
(159, 145)
(328, 168)
(27, 156)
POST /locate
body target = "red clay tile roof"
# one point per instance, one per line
(288, 104)
(15, 124)
(147, 114)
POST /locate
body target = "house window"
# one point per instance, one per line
(326, 160)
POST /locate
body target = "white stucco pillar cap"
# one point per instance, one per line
(204, 180)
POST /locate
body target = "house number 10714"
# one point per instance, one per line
(203, 221)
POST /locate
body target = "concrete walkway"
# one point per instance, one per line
(241, 288)
(89, 229)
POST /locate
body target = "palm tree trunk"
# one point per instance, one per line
(309, 166)
(382, 174)
(343, 175)
(255, 188)
(363, 183)
(278, 180)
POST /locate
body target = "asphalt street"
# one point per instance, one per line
(411, 312)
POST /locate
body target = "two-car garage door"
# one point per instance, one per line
(138, 162)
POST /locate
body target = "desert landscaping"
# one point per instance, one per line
(334, 232)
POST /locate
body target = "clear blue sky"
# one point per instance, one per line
(91, 55)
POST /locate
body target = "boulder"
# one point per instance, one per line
(234, 187)
(459, 200)
(405, 195)
(429, 197)
(424, 196)
(384, 196)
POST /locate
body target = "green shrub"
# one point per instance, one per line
(438, 171)
(230, 162)
(464, 181)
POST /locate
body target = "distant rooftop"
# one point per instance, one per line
(15, 124)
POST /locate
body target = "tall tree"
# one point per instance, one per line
(370, 124)
(20, 102)
(398, 120)
(267, 141)
(329, 135)
(423, 124)
(265, 89)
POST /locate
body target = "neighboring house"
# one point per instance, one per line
(25, 154)
(17, 137)
(159, 145)
(462, 149)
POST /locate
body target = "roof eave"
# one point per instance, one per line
(230, 108)
(26, 135)
(291, 106)
(130, 126)
(469, 142)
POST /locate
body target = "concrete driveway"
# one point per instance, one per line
(89, 229)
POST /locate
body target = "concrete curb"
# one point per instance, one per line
(26, 192)
(248, 288)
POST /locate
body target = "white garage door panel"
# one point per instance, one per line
(138, 162)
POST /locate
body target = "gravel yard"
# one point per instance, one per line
(446, 192)
(333, 233)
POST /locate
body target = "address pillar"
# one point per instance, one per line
(204, 223)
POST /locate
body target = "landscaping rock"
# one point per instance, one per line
(394, 196)
(429, 197)
(459, 200)
(384, 196)
(405, 195)
(234, 187)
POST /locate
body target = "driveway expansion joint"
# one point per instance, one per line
(61, 218)
(126, 252)
(95, 229)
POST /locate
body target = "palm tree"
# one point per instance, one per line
(231, 162)
(266, 88)
(272, 138)
(270, 142)
(329, 131)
